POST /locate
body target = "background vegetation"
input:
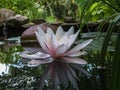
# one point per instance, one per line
(83, 10)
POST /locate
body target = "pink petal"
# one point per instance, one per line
(51, 41)
(40, 31)
(33, 49)
(59, 33)
(61, 49)
(70, 31)
(66, 37)
(79, 47)
(41, 41)
(62, 75)
(55, 80)
(38, 62)
(78, 67)
(63, 40)
(72, 39)
(38, 55)
(54, 42)
(76, 54)
(50, 31)
(72, 77)
(49, 49)
(74, 60)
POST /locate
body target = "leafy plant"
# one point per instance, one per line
(114, 21)
(31, 9)
(116, 66)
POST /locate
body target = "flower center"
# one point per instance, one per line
(58, 59)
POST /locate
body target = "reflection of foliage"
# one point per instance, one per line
(21, 78)
(99, 73)
(11, 56)
(27, 78)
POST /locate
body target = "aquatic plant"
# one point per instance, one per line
(58, 55)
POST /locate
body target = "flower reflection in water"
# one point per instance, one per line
(58, 55)
(4, 69)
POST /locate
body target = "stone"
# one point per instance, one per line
(69, 20)
(18, 20)
(28, 25)
(38, 21)
(11, 23)
(5, 14)
(34, 22)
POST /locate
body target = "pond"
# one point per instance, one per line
(16, 75)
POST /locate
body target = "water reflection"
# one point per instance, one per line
(4, 69)
(15, 75)
(19, 78)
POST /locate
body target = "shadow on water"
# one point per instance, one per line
(3, 34)
(15, 75)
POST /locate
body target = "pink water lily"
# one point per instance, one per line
(58, 54)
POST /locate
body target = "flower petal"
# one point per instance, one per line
(38, 55)
(40, 31)
(80, 68)
(49, 32)
(74, 60)
(33, 49)
(79, 47)
(59, 33)
(54, 42)
(64, 40)
(51, 41)
(66, 37)
(72, 39)
(51, 47)
(41, 41)
(72, 77)
(55, 81)
(38, 62)
(75, 54)
(70, 31)
(61, 72)
(61, 49)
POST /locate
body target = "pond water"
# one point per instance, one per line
(4, 69)
(14, 75)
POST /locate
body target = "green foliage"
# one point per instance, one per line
(114, 20)
(107, 38)
(60, 8)
(84, 10)
(116, 66)
(92, 11)
(31, 9)
(114, 4)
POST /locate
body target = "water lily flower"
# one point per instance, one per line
(58, 55)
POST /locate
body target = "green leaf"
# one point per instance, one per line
(116, 65)
(107, 39)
